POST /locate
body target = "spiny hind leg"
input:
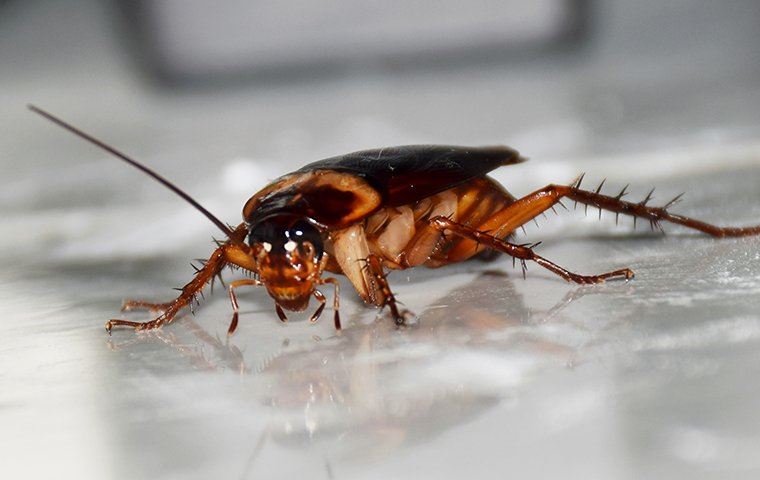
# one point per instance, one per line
(522, 252)
(654, 215)
(522, 211)
(375, 266)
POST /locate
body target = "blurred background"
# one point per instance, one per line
(531, 378)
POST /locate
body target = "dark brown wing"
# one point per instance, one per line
(339, 191)
(410, 173)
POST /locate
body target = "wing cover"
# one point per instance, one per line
(333, 199)
(410, 173)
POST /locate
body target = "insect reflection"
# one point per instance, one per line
(343, 393)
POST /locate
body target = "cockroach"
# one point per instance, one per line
(365, 213)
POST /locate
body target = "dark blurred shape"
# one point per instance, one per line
(197, 41)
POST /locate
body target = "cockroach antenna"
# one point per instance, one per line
(227, 231)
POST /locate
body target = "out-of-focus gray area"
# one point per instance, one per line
(500, 377)
(309, 38)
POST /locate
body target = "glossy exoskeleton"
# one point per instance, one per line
(367, 212)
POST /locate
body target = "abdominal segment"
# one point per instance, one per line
(403, 236)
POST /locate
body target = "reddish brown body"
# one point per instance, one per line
(386, 209)
(403, 237)
(395, 237)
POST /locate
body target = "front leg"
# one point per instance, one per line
(233, 300)
(336, 300)
(225, 254)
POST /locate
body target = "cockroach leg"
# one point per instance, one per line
(131, 305)
(234, 302)
(523, 210)
(375, 265)
(227, 253)
(280, 313)
(540, 200)
(523, 252)
(336, 299)
(323, 301)
(655, 215)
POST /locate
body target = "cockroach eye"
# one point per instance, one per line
(303, 232)
(266, 233)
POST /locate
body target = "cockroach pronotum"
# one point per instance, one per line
(367, 212)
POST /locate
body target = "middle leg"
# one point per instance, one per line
(375, 265)
(522, 252)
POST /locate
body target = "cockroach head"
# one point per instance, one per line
(288, 251)
(283, 234)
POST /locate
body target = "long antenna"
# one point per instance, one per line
(135, 164)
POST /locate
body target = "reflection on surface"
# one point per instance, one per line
(511, 371)
(373, 388)
(496, 376)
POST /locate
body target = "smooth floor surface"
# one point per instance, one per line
(650, 378)
(499, 377)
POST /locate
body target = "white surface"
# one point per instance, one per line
(503, 377)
